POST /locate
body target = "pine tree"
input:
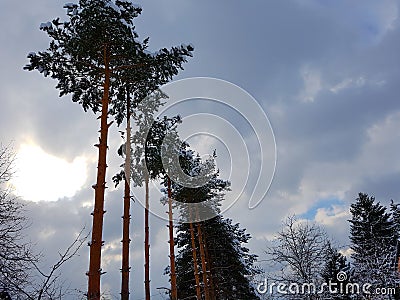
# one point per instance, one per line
(224, 262)
(373, 238)
(147, 162)
(155, 169)
(229, 263)
(135, 165)
(89, 56)
(164, 142)
(125, 268)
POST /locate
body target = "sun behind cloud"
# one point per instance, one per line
(44, 177)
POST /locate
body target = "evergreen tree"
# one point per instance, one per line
(395, 213)
(89, 56)
(229, 263)
(373, 238)
(165, 143)
(146, 161)
(125, 268)
(154, 169)
(336, 265)
(223, 264)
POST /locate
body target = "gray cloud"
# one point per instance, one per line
(325, 73)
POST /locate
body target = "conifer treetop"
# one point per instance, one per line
(100, 34)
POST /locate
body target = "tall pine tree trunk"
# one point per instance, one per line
(127, 198)
(99, 190)
(209, 265)
(146, 240)
(203, 262)
(194, 254)
(174, 292)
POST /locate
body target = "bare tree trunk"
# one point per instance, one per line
(203, 262)
(127, 198)
(99, 190)
(209, 264)
(194, 254)
(146, 240)
(174, 292)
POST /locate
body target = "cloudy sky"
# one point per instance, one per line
(326, 73)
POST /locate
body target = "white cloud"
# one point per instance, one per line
(335, 179)
(388, 15)
(357, 82)
(112, 255)
(331, 216)
(347, 83)
(327, 49)
(346, 252)
(312, 83)
(47, 233)
(380, 155)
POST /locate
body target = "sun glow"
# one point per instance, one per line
(44, 177)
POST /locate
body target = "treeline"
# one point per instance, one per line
(95, 56)
(369, 268)
(212, 260)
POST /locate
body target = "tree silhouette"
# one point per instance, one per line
(20, 274)
(373, 239)
(212, 261)
(336, 263)
(15, 254)
(300, 251)
(90, 56)
(159, 137)
(146, 158)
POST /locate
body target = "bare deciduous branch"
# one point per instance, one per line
(20, 274)
(300, 251)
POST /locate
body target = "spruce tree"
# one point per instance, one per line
(336, 263)
(395, 212)
(373, 238)
(89, 56)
